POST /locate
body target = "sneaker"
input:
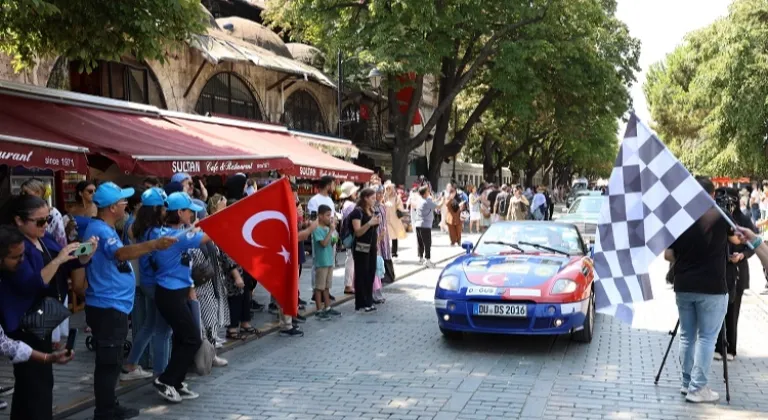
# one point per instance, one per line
(302, 304)
(3, 405)
(322, 316)
(333, 298)
(219, 362)
(684, 390)
(256, 306)
(718, 356)
(332, 312)
(421, 261)
(300, 318)
(293, 332)
(273, 309)
(370, 309)
(166, 391)
(135, 374)
(218, 345)
(429, 264)
(124, 413)
(6, 391)
(702, 395)
(730, 357)
(186, 393)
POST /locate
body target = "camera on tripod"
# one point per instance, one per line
(727, 199)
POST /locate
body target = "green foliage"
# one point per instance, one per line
(89, 31)
(708, 98)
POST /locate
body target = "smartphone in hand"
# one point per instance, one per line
(85, 248)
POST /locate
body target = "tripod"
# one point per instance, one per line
(724, 351)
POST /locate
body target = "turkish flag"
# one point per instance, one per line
(260, 232)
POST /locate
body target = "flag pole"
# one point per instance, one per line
(730, 222)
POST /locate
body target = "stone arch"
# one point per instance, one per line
(302, 112)
(228, 93)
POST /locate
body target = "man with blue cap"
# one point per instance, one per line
(188, 186)
(110, 293)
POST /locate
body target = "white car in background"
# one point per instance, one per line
(584, 214)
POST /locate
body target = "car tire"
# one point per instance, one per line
(585, 334)
(451, 335)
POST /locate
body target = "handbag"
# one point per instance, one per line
(203, 362)
(202, 270)
(364, 248)
(43, 317)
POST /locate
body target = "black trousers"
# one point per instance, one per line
(33, 389)
(365, 270)
(239, 309)
(110, 329)
(424, 242)
(173, 306)
(731, 324)
(394, 247)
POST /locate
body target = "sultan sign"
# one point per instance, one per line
(220, 166)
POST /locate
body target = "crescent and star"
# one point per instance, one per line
(259, 217)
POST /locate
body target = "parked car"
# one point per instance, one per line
(584, 214)
(527, 278)
(579, 193)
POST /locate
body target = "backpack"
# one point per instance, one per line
(503, 204)
(347, 234)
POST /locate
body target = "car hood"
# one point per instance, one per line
(512, 271)
(579, 218)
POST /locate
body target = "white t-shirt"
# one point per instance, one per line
(318, 200)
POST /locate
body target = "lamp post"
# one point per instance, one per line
(374, 76)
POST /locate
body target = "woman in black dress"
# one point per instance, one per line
(364, 221)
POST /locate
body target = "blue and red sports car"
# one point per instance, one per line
(529, 278)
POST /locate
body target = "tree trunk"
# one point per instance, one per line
(400, 160)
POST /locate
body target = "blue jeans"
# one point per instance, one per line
(153, 329)
(701, 315)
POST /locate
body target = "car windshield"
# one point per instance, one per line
(586, 205)
(563, 238)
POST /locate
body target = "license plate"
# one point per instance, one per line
(505, 310)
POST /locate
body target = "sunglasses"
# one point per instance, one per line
(42, 221)
(89, 191)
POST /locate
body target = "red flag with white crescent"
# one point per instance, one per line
(260, 233)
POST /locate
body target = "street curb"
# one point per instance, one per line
(266, 329)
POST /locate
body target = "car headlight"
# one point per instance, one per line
(564, 286)
(449, 282)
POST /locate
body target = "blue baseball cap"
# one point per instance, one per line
(109, 193)
(153, 197)
(182, 201)
(180, 177)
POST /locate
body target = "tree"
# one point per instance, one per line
(90, 31)
(463, 44)
(708, 97)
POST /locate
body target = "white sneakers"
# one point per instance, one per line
(728, 357)
(174, 395)
(135, 374)
(219, 362)
(702, 395)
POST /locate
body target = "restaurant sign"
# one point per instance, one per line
(29, 156)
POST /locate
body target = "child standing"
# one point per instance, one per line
(323, 252)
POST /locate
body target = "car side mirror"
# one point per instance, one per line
(467, 245)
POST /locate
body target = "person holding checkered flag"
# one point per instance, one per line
(655, 205)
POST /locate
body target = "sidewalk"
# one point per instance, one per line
(73, 387)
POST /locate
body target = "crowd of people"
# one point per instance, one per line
(147, 269)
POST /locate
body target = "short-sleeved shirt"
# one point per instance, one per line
(111, 283)
(368, 237)
(174, 264)
(322, 255)
(317, 200)
(701, 255)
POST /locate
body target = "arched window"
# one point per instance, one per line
(302, 113)
(228, 94)
(127, 80)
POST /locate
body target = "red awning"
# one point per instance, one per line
(23, 144)
(309, 163)
(141, 143)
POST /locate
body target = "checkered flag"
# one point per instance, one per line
(652, 200)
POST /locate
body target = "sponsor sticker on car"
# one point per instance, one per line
(481, 291)
(510, 268)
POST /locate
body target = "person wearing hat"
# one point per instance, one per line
(188, 186)
(349, 195)
(173, 293)
(110, 293)
(151, 327)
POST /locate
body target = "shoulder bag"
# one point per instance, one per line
(43, 317)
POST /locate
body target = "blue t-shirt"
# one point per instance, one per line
(323, 255)
(171, 273)
(111, 283)
(82, 223)
(146, 271)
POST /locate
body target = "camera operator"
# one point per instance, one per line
(700, 256)
(736, 271)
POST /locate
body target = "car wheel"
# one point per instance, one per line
(585, 335)
(451, 335)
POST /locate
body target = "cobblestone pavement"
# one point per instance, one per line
(394, 364)
(74, 382)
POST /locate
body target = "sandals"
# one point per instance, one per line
(236, 335)
(250, 331)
